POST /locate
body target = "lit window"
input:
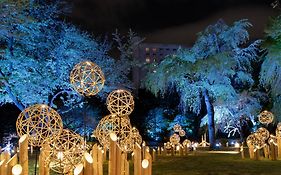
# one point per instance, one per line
(147, 49)
(154, 49)
(147, 60)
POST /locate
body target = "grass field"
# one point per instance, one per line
(214, 164)
(207, 164)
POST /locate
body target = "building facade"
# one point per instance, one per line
(150, 53)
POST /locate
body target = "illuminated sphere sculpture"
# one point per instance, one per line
(120, 102)
(66, 152)
(168, 145)
(177, 128)
(40, 122)
(175, 139)
(266, 117)
(135, 136)
(182, 133)
(186, 143)
(255, 141)
(263, 133)
(87, 78)
(121, 126)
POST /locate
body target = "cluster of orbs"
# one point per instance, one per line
(176, 137)
(262, 137)
(120, 104)
(258, 139)
(43, 125)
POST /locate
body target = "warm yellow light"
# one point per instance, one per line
(88, 157)
(113, 136)
(60, 155)
(22, 138)
(17, 169)
(78, 169)
(237, 145)
(144, 163)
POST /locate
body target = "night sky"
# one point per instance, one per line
(167, 21)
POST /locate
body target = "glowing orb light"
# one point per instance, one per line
(144, 163)
(17, 169)
(120, 102)
(168, 145)
(255, 141)
(278, 129)
(40, 123)
(66, 151)
(175, 139)
(87, 78)
(121, 126)
(177, 128)
(182, 133)
(266, 117)
(263, 133)
(186, 143)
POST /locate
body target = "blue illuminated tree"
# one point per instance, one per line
(38, 52)
(270, 74)
(214, 70)
(156, 124)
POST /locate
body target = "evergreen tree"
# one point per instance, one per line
(270, 74)
(38, 51)
(214, 70)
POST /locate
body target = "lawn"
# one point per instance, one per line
(205, 164)
(214, 164)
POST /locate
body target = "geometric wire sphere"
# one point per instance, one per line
(255, 141)
(175, 139)
(87, 78)
(266, 117)
(66, 152)
(263, 133)
(120, 102)
(177, 128)
(40, 122)
(112, 123)
(182, 133)
(186, 143)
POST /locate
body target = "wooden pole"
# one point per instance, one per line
(242, 152)
(88, 164)
(251, 152)
(100, 161)
(118, 160)
(147, 170)
(279, 145)
(137, 160)
(112, 154)
(154, 155)
(3, 169)
(273, 150)
(266, 151)
(23, 153)
(95, 157)
(12, 162)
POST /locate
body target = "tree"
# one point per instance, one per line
(270, 74)
(214, 70)
(156, 124)
(236, 117)
(38, 53)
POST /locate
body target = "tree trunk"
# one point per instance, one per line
(211, 120)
